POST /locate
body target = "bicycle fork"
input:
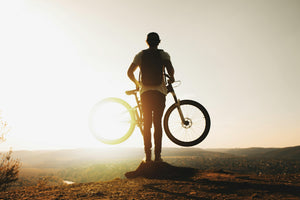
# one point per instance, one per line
(177, 103)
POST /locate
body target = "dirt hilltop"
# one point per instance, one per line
(164, 181)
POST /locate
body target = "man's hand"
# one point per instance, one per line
(172, 79)
(137, 84)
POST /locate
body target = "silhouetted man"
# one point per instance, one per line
(152, 63)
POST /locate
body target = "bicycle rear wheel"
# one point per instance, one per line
(195, 128)
(112, 120)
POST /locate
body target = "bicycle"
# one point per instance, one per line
(186, 122)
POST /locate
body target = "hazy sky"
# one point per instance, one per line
(239, 58)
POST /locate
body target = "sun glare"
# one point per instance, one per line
(111, 121)
(60, 58)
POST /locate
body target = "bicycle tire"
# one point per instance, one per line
(177, 136)
(117, 114)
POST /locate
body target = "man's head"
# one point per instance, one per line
(153, 39)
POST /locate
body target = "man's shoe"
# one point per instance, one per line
(148, 156)
(147, 159)
(158, 159)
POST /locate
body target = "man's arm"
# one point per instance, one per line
(170, 69)
(130, 74)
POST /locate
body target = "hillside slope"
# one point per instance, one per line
(90, 165)
(284, 153)
(184, 185)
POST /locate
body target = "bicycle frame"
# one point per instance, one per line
(138, 108)
(139, 114)
(133, 115)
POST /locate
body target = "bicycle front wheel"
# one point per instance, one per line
(195, 127)
(112, 120)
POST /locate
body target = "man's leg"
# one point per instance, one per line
(147, 113)
(157, 120)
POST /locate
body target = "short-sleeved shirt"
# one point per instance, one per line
(162, 87)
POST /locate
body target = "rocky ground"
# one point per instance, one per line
(164, 181)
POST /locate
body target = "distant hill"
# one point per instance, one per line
(254, 151)
(284, 153)
(278, 153)
(88, 165)
(68, 158)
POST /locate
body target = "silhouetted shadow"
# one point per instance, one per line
(214, 188)
(161, 170)
(230, 187)
(158, 188)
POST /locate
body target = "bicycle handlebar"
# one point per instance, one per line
(169, 80)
